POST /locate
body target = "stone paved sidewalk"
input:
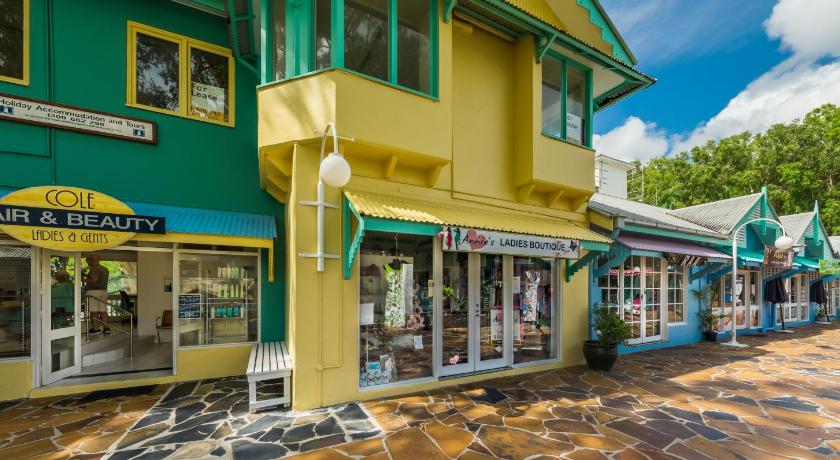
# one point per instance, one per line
(780, 398)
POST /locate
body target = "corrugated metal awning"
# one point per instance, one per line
(467, 215)
(647, 243)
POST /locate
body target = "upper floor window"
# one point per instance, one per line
(566, 97)
(389, 40)
(14, 41)
(169, 73)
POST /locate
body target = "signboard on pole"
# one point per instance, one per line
(50, 114)
(829, 267)
(778, 258)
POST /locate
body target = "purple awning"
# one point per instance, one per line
(648, 243)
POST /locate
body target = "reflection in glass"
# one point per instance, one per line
(11, 39)
(62, 292)
(15, 307)
(552, 98)
(323, 29)
(532, 308)
(278, 10)
(395, 308)
(632, 273)
(210, 85)
(62, 353)
(676, 294)
(413, 62)
(455, 347)
(491, 317)
(157, 72)
(366, 37)
(653, 297)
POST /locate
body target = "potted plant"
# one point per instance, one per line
(709, 320)
(612, 331)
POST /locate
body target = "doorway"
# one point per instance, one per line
(475, 299)
(61, 316)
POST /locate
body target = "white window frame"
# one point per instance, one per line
(684, 303)
(663, 297)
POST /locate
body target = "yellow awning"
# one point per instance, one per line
(468, 215)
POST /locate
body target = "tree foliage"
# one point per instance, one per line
(798, 162)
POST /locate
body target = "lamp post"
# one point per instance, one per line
(335, 172)
(783, 242)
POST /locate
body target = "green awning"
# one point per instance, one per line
(806, 262)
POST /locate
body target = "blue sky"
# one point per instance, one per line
(722, 67)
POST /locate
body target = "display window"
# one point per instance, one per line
(15, 301)
(396, 339)
(676, 294)
(173, 74)
(797, 307)
(533, 309)
(636, 292)
(14, 41)
(748, 292)
(218, 298)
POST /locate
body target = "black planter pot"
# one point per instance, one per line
(710, 336)
(599, 357)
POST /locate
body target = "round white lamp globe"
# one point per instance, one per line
(335, 171)
(784, 242)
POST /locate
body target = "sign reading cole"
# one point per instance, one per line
(72, 219)
(476, 240)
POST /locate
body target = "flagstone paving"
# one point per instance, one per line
(780, 398)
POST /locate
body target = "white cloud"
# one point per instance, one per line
(806, 27)
(634, 140)
(807, 79)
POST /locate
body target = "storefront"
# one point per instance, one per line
(180, 299)
(439, 296)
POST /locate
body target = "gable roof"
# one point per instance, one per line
(645, 214)
(720, 216)
(796, 224)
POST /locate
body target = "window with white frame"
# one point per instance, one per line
(636, 292)
(676, 294)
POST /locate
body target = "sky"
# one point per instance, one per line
(722, 67)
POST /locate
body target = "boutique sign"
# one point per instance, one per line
(72, 219)
(462, 239)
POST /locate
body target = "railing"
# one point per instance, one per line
(88, 319)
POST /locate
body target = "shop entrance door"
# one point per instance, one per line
(474, 302)
(61, 348)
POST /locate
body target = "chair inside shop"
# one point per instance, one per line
(163, 322)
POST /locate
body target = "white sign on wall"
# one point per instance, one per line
(462, 239)
(207, 97)
(34, 112)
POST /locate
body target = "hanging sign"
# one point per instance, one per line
(778, 258)
(72, 219)
(829, 267)
(50, 114)
(462, 239)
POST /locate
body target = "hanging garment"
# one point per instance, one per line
(530, 300)
(394, 298)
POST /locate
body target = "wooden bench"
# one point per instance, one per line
(269, 361)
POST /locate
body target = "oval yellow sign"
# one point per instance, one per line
(66, 218)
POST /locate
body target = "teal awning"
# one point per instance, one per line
(806, 262)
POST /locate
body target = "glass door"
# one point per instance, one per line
(652, 323)
(632, 315)
(473, 313)
(61, 316)
(489, 332)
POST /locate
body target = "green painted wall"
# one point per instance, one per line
(78, 57)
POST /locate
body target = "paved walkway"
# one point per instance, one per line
(780, 398)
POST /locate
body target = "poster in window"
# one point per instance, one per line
(574, 128)
(208, 101)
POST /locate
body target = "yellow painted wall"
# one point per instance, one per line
(15, 379)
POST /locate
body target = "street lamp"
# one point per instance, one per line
(335, 172)
(783, 242)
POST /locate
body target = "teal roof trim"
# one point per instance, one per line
(205, 221)
(599, 17)
(805, 262)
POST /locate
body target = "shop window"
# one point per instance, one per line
(395, 308)
(14, 41)
(218, 300)
(533, 309)
(172, 74)
(566, 100)
(15, 307)
(676, 294)
(636, 292)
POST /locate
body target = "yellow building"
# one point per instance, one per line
(450, 255)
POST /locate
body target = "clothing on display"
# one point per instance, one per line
(531, 301)
(394, 297)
